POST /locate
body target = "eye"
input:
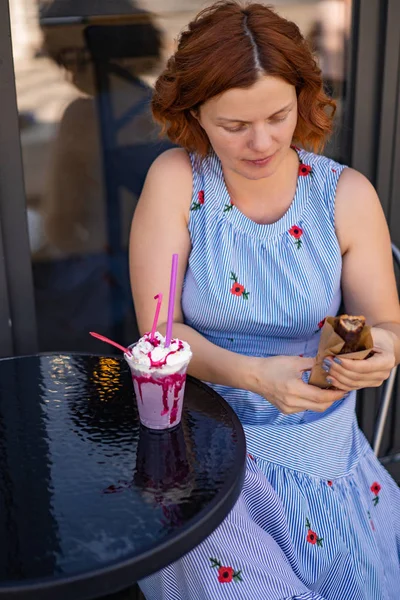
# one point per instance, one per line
(235, 129)
(279, 119)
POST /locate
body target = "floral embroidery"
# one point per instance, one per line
(312, 537)
(226, 574)
(305, 170)
(200, 201)
(238, 289)
(320, 325)
(330, 483)
(334, 170)
(375, 489)
(296, 232)
(250, 456)
(371, 521)
(229, 206)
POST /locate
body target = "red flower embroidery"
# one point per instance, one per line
(226, 574)
(238, 289)
(200, 201)
(375, 489)
(320, 325)
(296, 232)
(312, 537)
(330, 483)
(334, 170)
(250, 456)
(304, 170)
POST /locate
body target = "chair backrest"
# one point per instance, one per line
(388, 391)
(113, 48)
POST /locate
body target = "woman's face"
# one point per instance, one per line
(251, 129)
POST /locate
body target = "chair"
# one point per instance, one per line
(124, 165)
(387, 394)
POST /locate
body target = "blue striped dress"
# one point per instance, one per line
(318, 517)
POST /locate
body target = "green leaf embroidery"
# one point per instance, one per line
(237, 577)
(215, 563)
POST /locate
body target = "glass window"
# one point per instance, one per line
(84, 73)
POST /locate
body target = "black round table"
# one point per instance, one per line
(90, 501)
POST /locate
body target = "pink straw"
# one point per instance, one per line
(103, 338)
(171, 303)
(157, 314)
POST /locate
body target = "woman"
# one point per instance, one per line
(268, 235)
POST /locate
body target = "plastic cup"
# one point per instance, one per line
(159, 394)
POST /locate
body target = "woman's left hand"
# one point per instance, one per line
(348, 374)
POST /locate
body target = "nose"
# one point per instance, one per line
(260, 139)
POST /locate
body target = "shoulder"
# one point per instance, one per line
(170, 164)
(78, 111)
(358, 208)
(169, 182)
(320, 163)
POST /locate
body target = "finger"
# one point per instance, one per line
(377, 362)
(354, 378)
(348, 386)
(294, 404)
(311, 393)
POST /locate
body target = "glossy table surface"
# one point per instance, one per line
(90, 501)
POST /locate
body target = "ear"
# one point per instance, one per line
(196, 114)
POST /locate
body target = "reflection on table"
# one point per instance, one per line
(90, 501)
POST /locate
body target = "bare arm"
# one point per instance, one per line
(368, 281)
(159, 229)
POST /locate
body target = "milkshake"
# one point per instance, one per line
(159, 376)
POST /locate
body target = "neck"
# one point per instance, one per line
(247, 190)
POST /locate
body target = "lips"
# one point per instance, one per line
(260, 161)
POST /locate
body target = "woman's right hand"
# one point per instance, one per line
(279, 380)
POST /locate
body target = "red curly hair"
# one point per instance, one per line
(229, 45)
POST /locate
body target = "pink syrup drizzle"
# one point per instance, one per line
(175, 381)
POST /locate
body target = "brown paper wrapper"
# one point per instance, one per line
(331, 344)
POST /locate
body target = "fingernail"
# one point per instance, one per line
(326, 365)
(337, 360)
(329, 380)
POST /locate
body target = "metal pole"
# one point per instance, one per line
(15, 259)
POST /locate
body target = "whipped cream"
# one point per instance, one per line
(149, 354)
